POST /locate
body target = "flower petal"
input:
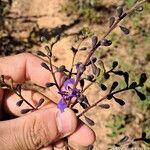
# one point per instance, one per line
(78, 65)
(69, 81)
(75, 92)
(61, 105)
(63, 93)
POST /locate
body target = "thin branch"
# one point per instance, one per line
(24, 99)
(103, 98)
(93, 105)
(105, 35)
(53, 74)
(73, 60)
(89, 85)
(19, 94)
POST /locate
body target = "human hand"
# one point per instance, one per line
(45, 128)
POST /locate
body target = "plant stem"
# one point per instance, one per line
(80, 74)
(24, 99)
(122, 17)
(90, 84)
(105, 35)
(103, 98)
(53, 74)
(73, 59)
(93, 105)
(72, 64)
(10, 87)
(19, 94)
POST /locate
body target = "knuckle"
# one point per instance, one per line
(35, 134)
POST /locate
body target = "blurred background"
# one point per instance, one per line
(24, 22)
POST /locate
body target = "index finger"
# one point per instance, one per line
(24, 67)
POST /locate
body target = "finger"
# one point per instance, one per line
(47, 148)
(1, 96)
(37, 130)
(24, 67)
(59, 144)
(55, 148)
(83, 135)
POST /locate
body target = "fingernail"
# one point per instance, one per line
(64, 122)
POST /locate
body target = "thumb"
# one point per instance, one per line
(36, 130)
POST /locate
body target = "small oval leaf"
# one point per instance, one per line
(103, 87)
(147, 140)
(94, 41)
(62, 68)
(18, 88)
(24, 111)
(75, 110)
(44, 65)
(126, 78)
(81, 68)
(40, 53)
(82, 83)
(124, 30)
(111, 21)
(119, 101)
(98, 71)
(74, 50)
(95, 70)
(106, 76)
(19, 103)
(41, 101)
(90, 147)
(114, 64)
(106, 42)
(89, 121)
(139, 8)
(83, 49)
(119, 11)
(90, 77)
(109, 96)
(49, 84)
(113, 87)
(142, 79)
(47, 48)
(119, 72)
(104, 106)
(143, 134)
(133, 85)
(141, 95)
(92, 60)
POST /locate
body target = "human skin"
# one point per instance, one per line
(45, 128)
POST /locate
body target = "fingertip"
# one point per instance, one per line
(60, 144)
(83, 135)
(1, 97)
(66, 122)
(48, 148)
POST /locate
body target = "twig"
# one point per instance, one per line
(105, 35)
(53, 74)
(100, 100)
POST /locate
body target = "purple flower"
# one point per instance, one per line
(68, 82)
(61, 105)
(78, 65)
(67, 94)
